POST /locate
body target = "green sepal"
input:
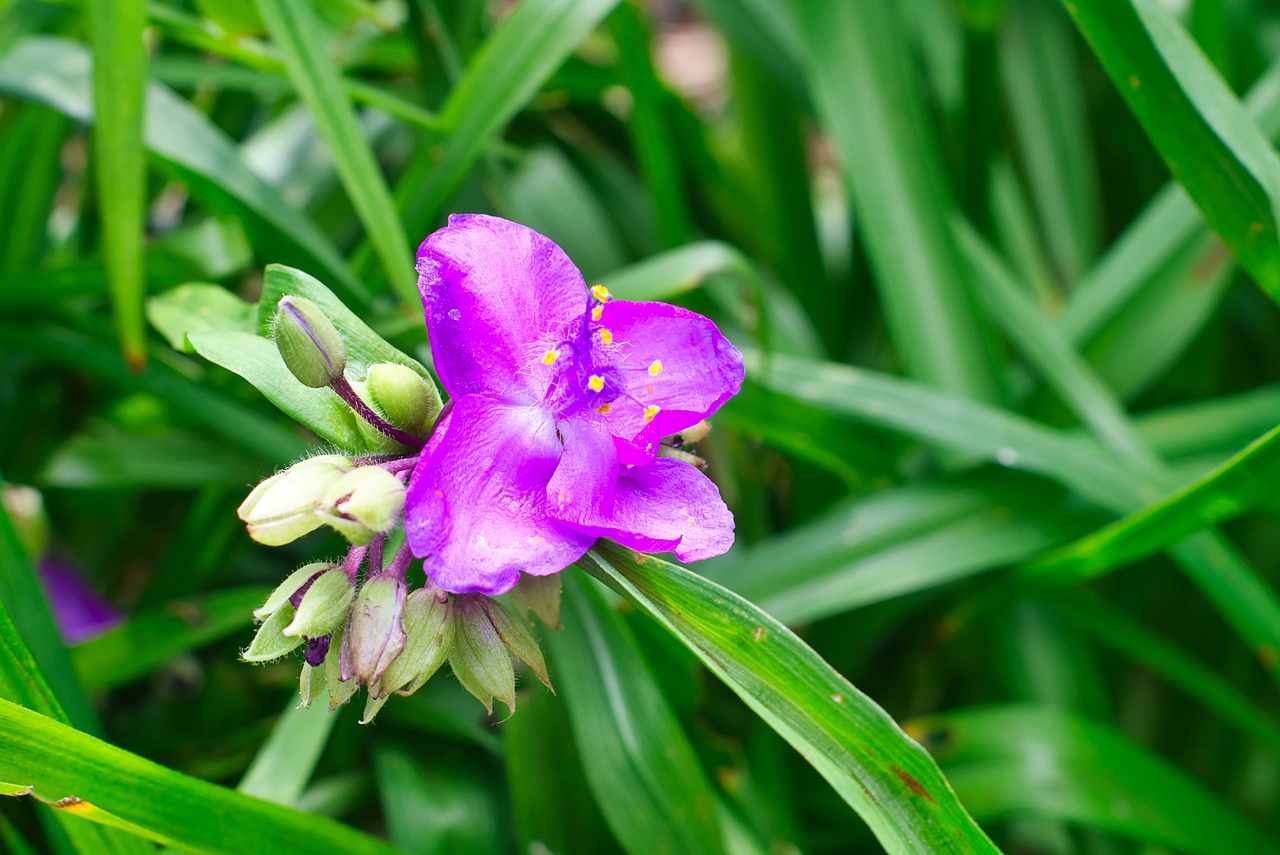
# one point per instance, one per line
(479, 659)
(271, 643)
(324, 606)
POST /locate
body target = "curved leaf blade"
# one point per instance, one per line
(888, 779)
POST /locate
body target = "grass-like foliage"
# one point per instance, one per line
(1005, 466)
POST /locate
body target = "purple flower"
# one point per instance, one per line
(77, 609)
(560, 398)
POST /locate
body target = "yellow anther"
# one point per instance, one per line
(603, 408)
(597, 312)
(550, 357)
(600, 292)
(651, 411)
(606, 337)
(595, 383)
(656, 368)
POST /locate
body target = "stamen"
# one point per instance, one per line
(550, 357)
(603, 408)
(595, 383)
(656, 368)
(651, 411)
(606, 337)
(597, 312)
(600, 292)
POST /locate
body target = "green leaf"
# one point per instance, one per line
(900, 541)
(256, 359)
(302, 41)
(646, 778)
(195, 307)
(444, 805)
(119, 82)
(161, 462)
(56, 72)
(167, 806)
(502, 77)
(1244, 482)
(1033, 760)
(152, 637)
(1202, 132)
(678, 271)
(282, 767)
(888, 779)
(868, 98)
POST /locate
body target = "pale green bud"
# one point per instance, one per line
(376, 442)
(541, 595)
(696, 434)
(479, 658)
(428, 637)
(404, 398)
(375, 630)
(311, 683)
(682, 455)
(324, 606)
(282, 508)
(309, 343)
(271, 642)
(519, 640)
(363, 503)
(289, 587)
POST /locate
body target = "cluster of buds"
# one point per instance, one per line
(356, 620)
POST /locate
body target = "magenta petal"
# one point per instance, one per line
(666, 505)
(78, 610)
(669, 358)
(584, 481)
(476, 509)
(497, 297)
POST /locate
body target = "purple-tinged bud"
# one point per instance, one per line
(375, 627)
(364, 503)
(283, 508)
(519, 640)
(541, 595)
(340, 690)
(271, 642)
(296, 581)
(309, 343)
(325, 605)
(479, 658)
(403, 396)
(316, 650)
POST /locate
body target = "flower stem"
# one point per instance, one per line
(374, 557)
(355, 557)
(400, 563)
(344, 391)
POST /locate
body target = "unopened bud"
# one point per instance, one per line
(282, 508)
(682, 455)
(696, 434)
(541, 595)
(324, 606)
(428, 636)
(479, 658)
(403, 396)
(375, 631)
(309, 343)
(296, 581)
(375, 441)
(519, 640)
(310, 683)
(271, 642)
(364, 503)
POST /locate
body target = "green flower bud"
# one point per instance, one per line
(696, 434)
(288, 588)
(404, 398)
(519, 640)
(271, 642)
(541, 595)
(363, 503)
(25, 507)
(309, 343)
(376, 442)
(479, 658)
(282, 508)
(375, 632)
(428, 637)
(682, 455)
(324, 606)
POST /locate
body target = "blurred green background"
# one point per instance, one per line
(984, 322)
